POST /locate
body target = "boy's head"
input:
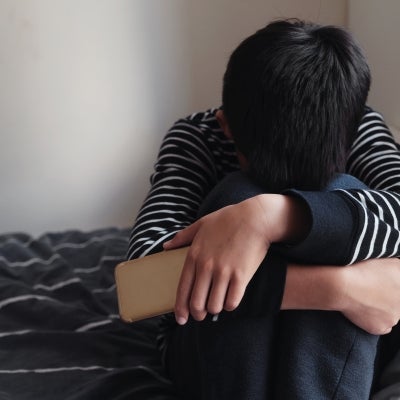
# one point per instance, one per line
(293, 95)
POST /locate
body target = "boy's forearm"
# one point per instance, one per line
(366, 293)
(227, 247)
(313, 288)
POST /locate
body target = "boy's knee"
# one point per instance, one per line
(233, 189)
(345, 181)
(238, 186)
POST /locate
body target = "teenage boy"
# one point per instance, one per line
(294, 94)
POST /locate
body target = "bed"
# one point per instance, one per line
(60, 333)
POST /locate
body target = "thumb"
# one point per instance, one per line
(183, 237)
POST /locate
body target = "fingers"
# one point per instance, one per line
(183, 237)
(217, 296)
(206, 289)
(187, 279)
(235, 294)
(200, 292)
(193, 291)
(183, 292)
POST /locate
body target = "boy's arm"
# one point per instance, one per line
(373, 214)
(340, 232)
(366, 292)
(223, 259)
(374, 156)
(183, 175)
(175, 196)
(362, 224)
(375, 159)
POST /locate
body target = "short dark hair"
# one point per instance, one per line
(293, 95)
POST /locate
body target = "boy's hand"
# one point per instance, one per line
(371, 294)
(227, 247)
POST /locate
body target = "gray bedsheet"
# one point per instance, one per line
(60, 334)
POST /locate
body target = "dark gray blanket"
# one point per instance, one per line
(60, 334)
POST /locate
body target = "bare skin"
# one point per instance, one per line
(219, 265)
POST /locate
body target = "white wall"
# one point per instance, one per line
(88, 89)
(376, 24)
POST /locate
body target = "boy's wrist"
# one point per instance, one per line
(314, 288)
(286, 218)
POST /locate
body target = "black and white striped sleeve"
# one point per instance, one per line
(183, 175)
(375, 156)
(375, 160)
(353, 225)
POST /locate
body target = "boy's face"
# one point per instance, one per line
(227, 132)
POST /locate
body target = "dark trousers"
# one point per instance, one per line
(253, 353)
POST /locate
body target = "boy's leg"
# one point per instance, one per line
(223, 360)
(322, 355)
(229, 358)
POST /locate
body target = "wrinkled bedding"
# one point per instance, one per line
(60, 333)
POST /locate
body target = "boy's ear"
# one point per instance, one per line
(223, 123)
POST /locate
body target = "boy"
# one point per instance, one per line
(291, 78)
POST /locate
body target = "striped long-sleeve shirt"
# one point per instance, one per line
(195, 155)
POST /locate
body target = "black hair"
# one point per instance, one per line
(293, 95)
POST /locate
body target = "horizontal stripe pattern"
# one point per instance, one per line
(195, 155)
(375, 160)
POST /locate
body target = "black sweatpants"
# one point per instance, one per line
(257, 352)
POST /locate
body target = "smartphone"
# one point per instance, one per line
(146, 287)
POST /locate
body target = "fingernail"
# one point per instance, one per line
(181, 320)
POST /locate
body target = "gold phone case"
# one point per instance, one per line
(146, 286)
